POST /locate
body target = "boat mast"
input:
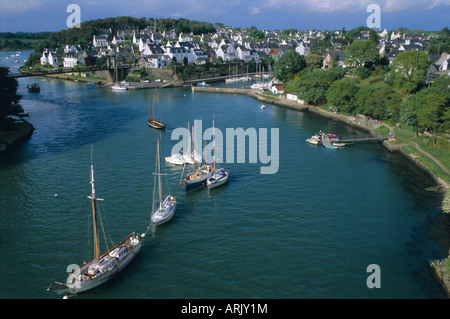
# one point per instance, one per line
(94, 212)
(193, 159)
(214, 146)
(159, 179)
(151, 104)
(156, 96)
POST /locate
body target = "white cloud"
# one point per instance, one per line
(329, 6)
(255, 10)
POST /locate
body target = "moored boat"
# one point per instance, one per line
(176, 159)
(119, 88)
(315, 140)
(154, 122)
(103, 266)
(219, 177)
(166, 208)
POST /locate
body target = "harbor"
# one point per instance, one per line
(218, 238)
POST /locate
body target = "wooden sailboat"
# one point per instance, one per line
(154, 122)
(166, 208)
(199, 176)
(104, 265)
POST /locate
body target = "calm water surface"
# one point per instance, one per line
(308, 231)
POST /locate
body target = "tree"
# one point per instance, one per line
(9, 99)
(256, 35)
(441, 43)
(341, 94)
(288, 65)
(429, 115)
(313, 60)
(312, 86)
(409, 70)
(360, 53)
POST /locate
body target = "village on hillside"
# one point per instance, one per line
(151, 49)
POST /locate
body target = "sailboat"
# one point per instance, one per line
(153, 122)
(191, 156)
(199, 176)
(167, 207)
(176, 159)
(104, 265)
(219, 176)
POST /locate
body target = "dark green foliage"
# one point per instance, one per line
(289, 65)
(341, 94)
(9, 99)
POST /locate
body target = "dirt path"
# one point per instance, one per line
(442, 166)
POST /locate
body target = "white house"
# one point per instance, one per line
(100, 41)
(71, 48)
(226, 51)
(185, 37)
(201, 56)
(303, 48)
(179, 53)
(117, 40)
(73, 59)
(154, 61)
(49, 56)
(156, 37)
(277, 88)
(152, 49)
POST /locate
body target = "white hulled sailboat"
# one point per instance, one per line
(166, 208)
(104, 265)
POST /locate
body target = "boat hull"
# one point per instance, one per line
(198, 178)
(176, 159)
(84, 283)
(217, 179)
(169, 206)
(156, 124)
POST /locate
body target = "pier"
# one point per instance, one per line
(363, 140)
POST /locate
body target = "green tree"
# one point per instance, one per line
(313, 60)
(257, 35)
(360, 53)
(341, 94)
(409, 70)
(441, 43)
(288, 65)
(378, 102)
(430, 114)
(312, 86)
(9, 99)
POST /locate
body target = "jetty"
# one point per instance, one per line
(260, 97)
(363, 140)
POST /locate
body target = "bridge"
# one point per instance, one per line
(24, 74)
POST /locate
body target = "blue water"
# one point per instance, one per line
(308, 231)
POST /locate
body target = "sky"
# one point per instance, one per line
(52, 15)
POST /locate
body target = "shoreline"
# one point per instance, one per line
(317, 110)
(437, 266)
